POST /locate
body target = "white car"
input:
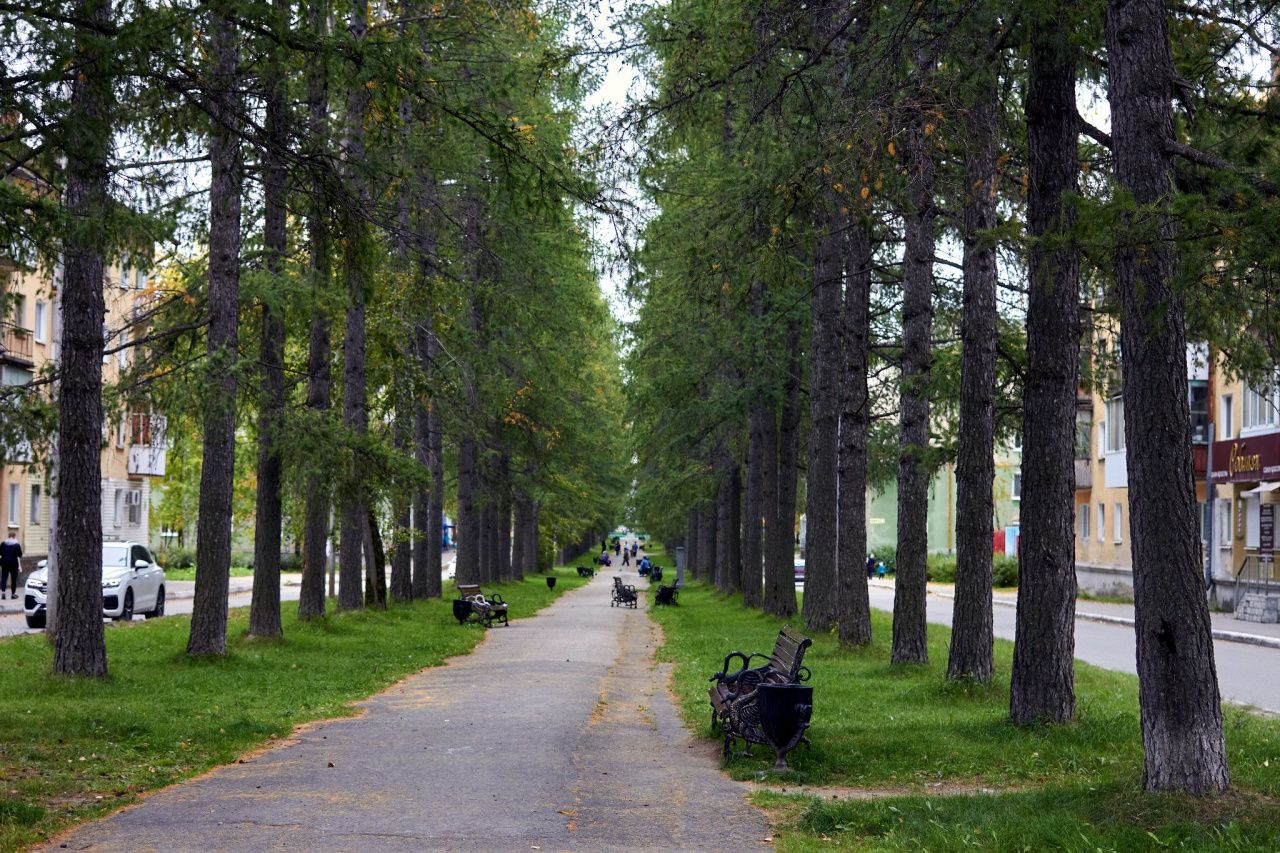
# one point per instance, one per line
(131, 583)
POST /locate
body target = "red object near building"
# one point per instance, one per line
(997, 542)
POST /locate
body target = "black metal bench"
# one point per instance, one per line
(667, 595)
(473, 605)
(586, 572)
(624, 595)
(734, 710)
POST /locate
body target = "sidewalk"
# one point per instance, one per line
(1225, 626)
(557, 733)
(172, 590)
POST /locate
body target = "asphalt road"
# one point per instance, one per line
(1246, 674)
(16, 623)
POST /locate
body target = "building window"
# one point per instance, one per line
(140, 279)
(1259, 407)
(106, 336)
(1224, 533)
(133, 503)
(1118, 521)
(1017, 487)
(42, 321)
(15, 510)
(1084, 432)
(1228, 415)
(118, 508)
(19, 310)
(1198, 403)
(1102, 522)
(35, 504)
(1083, 511)
(122, 354)
(124, 272)
(1115, 425)
(121, 433)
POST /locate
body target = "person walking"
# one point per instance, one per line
(626, 556)
(10, 562)
(617, 548)
(871, 566)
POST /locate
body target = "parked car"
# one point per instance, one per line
(132, 582)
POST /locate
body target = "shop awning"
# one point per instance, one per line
(1262, 487)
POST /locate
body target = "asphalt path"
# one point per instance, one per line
(556, 733)
(1246, 673)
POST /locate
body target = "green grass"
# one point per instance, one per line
(905, 731)
(73, 749)
(190, 574)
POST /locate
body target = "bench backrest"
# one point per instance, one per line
(788, 652)
(466, 590)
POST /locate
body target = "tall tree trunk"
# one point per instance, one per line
(729, 524)
(1177, 679)
(79, 644)
(355, 415)
(707, 555)
(376, 558)
(821, 559)
(467, 532)
(910, 640)
(971, 630)
(779, 540)
(1042, 686)
(316, 502)
(520, 534)
(758, 422)
(691, 542)
(853, 604)
(217, 472)
(264, 608)
(429, 503)
(401, 562)
(502, 519)
(532, 555)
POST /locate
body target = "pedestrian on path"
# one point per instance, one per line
(871, 566)
(617, 548)
(10, 562)
(626, 557)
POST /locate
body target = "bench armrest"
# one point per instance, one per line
(724, 675)
(803, 674)
(496, 598)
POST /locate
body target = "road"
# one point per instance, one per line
(16, 623)
(1246, 674)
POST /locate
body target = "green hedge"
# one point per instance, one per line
(942, 569)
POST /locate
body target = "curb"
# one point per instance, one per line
(1217, 633)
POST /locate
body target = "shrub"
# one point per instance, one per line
(242, 558)
(941, 568)
(176, 558)
(1004, 570)
(291, 563)
(888, 555)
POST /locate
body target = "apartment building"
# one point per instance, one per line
(133, 442)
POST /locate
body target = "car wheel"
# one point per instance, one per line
(126, 612)
(36, 621)
(159, 611)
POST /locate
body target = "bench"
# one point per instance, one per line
(586, 572)
(655, 574)
(624, 595)
(473, 605)
(733, 694)
(667, 595)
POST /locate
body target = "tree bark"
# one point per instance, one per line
(821, 560)
(355, 415)
(707, 556)
(316, 502)
(910, 640)
(79, 644)
(217, 474)
(853, 609)
(401, 559)
(971, 653)
(467, 532)
(752, 578)
(691, 542)
(264, 607)
(779, 540)
(728, 527)
(1178, 695)
(376, 557)
(1043, 679)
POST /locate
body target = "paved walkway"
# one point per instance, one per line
(557, 733)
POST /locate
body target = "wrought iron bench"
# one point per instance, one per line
(624, 595)
(734, 703)
(667, 595)
(473, 605)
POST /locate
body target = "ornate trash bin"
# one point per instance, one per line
(784, 711)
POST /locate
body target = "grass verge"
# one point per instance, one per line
(74, 749)
(190, 574)
(923, 746)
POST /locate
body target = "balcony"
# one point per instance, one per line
(16, 344)
(1084, 474)
(147, 460)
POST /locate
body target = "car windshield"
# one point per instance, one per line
(115, 556)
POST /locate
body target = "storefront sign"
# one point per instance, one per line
(1246, 460)
(1266, 532)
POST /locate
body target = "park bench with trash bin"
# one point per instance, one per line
(472, 605)
(766, 704)
(624, 595)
